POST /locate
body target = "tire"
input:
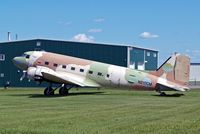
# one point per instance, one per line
(48, 91)
(162, 94)
(63, 91)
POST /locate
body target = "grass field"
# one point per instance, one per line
(105, 111)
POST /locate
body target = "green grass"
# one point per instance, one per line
(105, 111)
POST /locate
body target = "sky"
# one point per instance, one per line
(167, 26)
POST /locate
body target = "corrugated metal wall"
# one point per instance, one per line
(195, 74)
(151, 60)
(98, 52)
(10, 72)
(136, 57)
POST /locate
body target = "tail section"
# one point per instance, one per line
(175, 69)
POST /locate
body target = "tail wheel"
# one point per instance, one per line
(158, 89)
(48, 91)
(163, 94)
(64, 91)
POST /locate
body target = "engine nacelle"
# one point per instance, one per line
(34, 73)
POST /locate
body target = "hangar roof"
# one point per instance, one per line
(107, 44)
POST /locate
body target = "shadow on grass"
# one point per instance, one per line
(169, 95)
(56, 95)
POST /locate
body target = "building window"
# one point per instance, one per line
(38, 43)
(100, 74)
(72, 68)
(90, 72)
(2, 57)
(46, 63)
(55, 65)
(81, 70)
(2, 75)
(154, 55)
(148, 53)
(64, 66)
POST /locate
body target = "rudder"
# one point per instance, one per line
(175, 69)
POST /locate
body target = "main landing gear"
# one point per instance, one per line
(48, 91)
(63, 90)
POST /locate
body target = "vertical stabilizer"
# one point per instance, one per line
(175, 69)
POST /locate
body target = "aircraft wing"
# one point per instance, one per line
(68, 78)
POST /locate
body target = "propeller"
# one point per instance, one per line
(24, 75)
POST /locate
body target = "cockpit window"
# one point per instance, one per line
(27, 56)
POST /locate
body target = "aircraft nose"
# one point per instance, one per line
(20, 62)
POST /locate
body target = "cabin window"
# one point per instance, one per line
(64, 66)
(81, 70)
(90, 72)
(46, 63)
(100, 74)
(72, 68)
(108, 75)
(55, 65)
(2, 57)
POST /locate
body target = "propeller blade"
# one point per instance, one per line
(23, 76)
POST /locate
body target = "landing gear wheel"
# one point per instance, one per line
(63, 91)
(49, 91)
(162, 94)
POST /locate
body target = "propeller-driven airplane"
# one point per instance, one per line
(70, 72)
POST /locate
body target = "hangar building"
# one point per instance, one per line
(195, 74)
(122, 55)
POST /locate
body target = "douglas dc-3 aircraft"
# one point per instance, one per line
(71, 72)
